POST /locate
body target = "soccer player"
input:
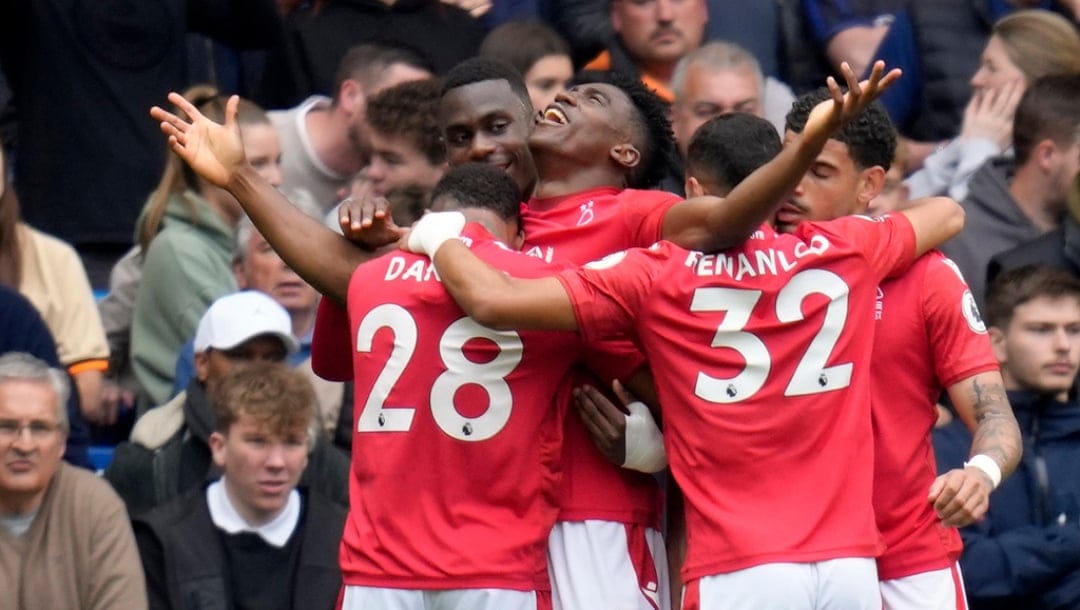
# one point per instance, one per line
(765, 390)
(453, 504)
(929, 337)
(626, 134)
(450, 504)
(587, 147)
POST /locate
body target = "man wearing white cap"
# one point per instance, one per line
(169, 450)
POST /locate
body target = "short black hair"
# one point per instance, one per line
(728, 148)
(480, 69)
(1048, 110)
(870, 136)
(1015, 287)
(480, 185)
(651, 122)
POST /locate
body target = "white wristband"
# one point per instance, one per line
(986, 464)
(433, 230)
(644, 441)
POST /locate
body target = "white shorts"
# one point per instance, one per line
(836, 584)
(606, 565)
(380, 598)
(937, 590)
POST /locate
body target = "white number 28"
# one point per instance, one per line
(458, 371)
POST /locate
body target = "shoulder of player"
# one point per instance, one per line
(648, 198)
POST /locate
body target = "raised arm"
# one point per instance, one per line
(710, 224)
(961, 496)
(486, 294)
(935, 220)
(323, 258)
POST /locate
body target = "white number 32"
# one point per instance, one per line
(811, 375)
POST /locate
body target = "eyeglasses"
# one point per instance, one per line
(39, 430)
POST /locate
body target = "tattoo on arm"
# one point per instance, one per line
(996, 432)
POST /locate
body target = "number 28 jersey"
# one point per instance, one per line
(761, 355)
(458, 432)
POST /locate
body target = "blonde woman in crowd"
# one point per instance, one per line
(1025, 46)
(186, 236)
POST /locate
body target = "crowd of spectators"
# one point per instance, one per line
(152, 330)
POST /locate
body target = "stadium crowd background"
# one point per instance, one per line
(134, 262)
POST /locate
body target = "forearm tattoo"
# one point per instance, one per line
(996, 432)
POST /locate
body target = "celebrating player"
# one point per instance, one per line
(928, 337)
(765, 387)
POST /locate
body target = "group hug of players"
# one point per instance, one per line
(805, 471)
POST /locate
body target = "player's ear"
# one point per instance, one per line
(626, 155)
(871, 183)
(693, 188)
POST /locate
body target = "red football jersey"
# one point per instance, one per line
(577, 229)
(761, 356)
(457, 444)
(929, 336)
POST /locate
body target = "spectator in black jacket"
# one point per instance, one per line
(1026, 553)
(250, 539)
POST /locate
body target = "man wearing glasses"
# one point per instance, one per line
(65, 540)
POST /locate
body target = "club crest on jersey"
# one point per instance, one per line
(587, 214)
(971, 313)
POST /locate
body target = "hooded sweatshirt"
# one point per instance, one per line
(187, 266)
(994, 223)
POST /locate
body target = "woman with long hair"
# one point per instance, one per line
(186, 236)
(49, 273)
(1024, 46)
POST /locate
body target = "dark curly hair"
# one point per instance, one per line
(650, 121)
(480, 185)
(870, 137)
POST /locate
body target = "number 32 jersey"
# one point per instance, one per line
(456, 449)
(762, 356)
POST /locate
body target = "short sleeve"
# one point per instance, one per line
(954, 327)
(887, 242)
(644, 212)
(607, 295)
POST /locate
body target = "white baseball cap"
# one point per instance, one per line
(235, 318)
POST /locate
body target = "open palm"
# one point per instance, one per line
(213, 150)
(832, 114)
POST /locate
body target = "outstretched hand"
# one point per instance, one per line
(829, 116)
(213, 150)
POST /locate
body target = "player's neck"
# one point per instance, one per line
(560, 177)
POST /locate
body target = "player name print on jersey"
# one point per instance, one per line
(401, 268)
(767, 261)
